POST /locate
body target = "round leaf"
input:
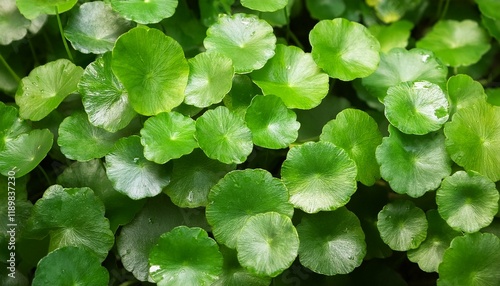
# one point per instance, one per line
(82, 141)
(493, 26)
(413, 165)
(104, 97)
(322, 10)
(133, 175)
(193, 176)
(430, 252)
(267, 244)
(185, 256)
(489, 8)
(331, 242)
(46, 87)
(168, 136)
(358, 134)
(463, 91)
(70, 266)
(240, 195)
(153, 69)
(473, 139)
(210, 79)
(416, 108)
(319, 176)
(456, 43)
(264, 5)
(145, 12)
(223, 136)
(25, 152)
(402, 225)
(395, 35)
(467, 201)
(273, 125)
(345, 50)
(11, 125)
(473, 259)
(400, 65)
(392, 10)
(248, 41)
(32, 9)
(13, 25)
(293, 76)
(71, 217)
(94, 28)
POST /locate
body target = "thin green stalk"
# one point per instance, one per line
(45, 175)
(62, 35)
(227, 8)
(445, 9)
(33, 53)
(9, 69)
(289, 33)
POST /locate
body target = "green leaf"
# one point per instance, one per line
(223, 136)
(72, 217)
(25, 152)
(120, 209)
(241, 95)
(416, 108)
(430, 252)
(82, 141)
(210, 79)
(168, 136)
(185, 256)
(395, 35)
(472, 259)
(11, 125)
(248, 41)
(240, 195)
(273, 125)
(456, 43)
(32, 9)
(392, 10)
(473, 139)
(153, 69)
(104, 97)
(467, 201)
(325, 9)
(145, 12)
(70, 266)
(193, 176)
(46, 87)
(279, 18)
(493, 96)
(319, 176)
(133, 175)
(463, 91)
(331, 242)
(94, 28)
(413, 165)
(400, 65)
(402, 225)
(489, 8)
(293, 76)
(492, 25)
(345, 50)
(358, 134)
(264, 5)
(13, 25)
(137, 238)
(268, 244)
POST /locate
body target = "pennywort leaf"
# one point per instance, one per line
(32, 9)
(13, 26)
(264, 5)
(145, 12)
(463, 91)
(395, 35)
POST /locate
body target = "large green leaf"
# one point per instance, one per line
(293, 76)
(248, 41)
(456, 43)
(46, 87)
(145, 12)
(131, 173)
(413, 164)
(94, 28)
(473, 139)
(319, 176)
(72, 217)
(400, 65)
(185, 256)
(345, 50)
(32, 9)
(240, 195)
(104, 97)
(70, 266)
(153, 69)
(13, 25)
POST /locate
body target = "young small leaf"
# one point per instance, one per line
(395, 35)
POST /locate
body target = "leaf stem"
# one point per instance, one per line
(11, 71)
(62, 35)
(45, 175)
(445, 9)
(33, 53)
(289, 33)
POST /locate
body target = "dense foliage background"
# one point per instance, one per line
(252, 142)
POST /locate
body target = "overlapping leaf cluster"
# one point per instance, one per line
(211, 145)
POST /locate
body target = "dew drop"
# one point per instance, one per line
(190, 196)
(136, 160)
(288, 67)
(425, 57)
(350, 257)
(150, 220)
